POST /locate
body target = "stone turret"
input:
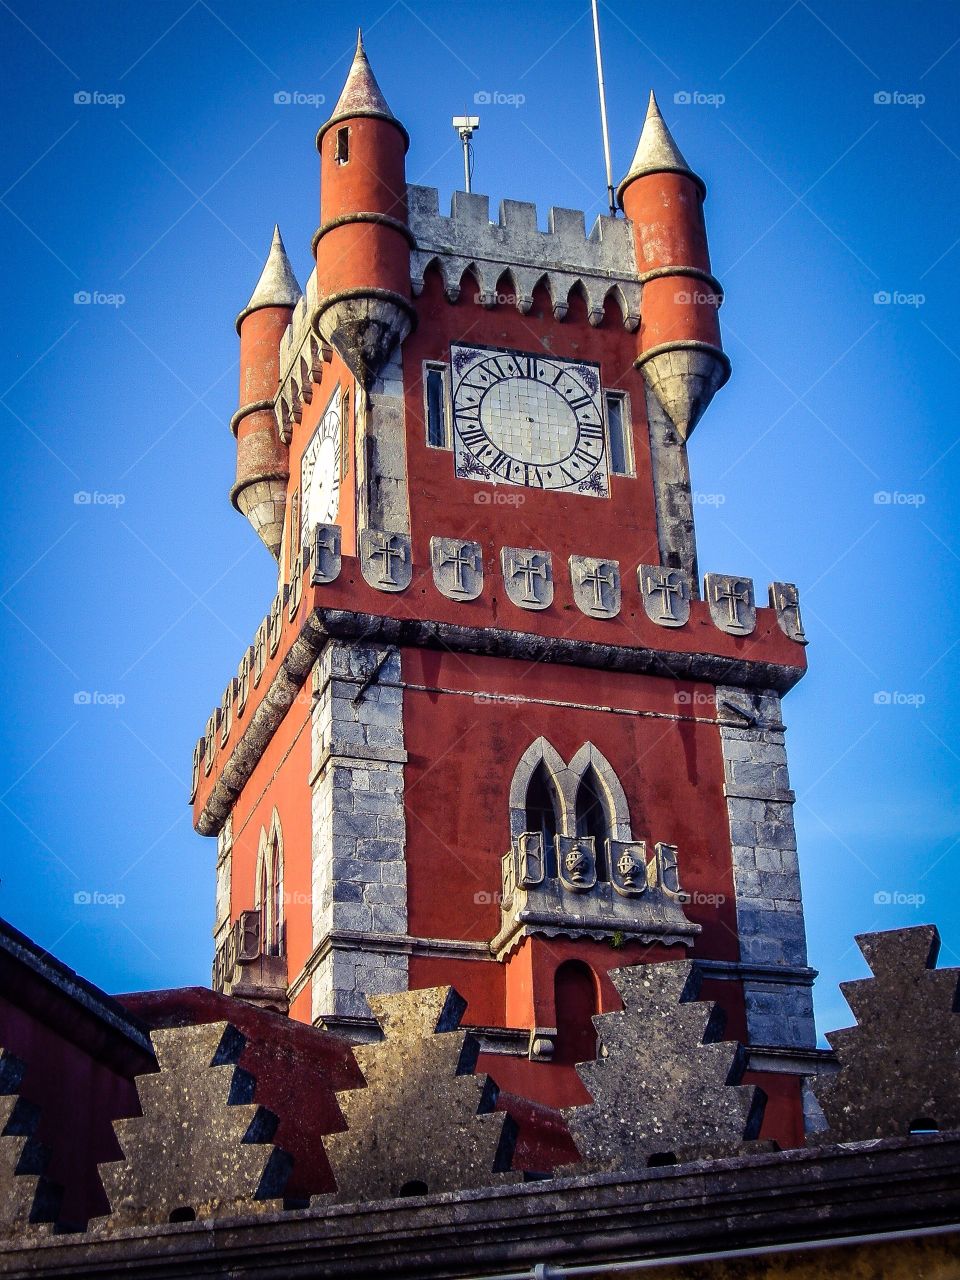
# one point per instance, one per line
(680, 353)
(363, 243)
(263, 466)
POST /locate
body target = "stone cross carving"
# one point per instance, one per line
(243, 680)
(260, 652)
(202, 1147)
(275, 623)
(385, 560)
(528, 576)
(424, 1123)
(900, 1065)
(326, 554)
(660, 1090)
(665, 593)
(596, 586)
(457, 568)
(785, 599)
(732, 605)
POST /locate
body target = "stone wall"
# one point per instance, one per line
(359, 834)
(766, 875)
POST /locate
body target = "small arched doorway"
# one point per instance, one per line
(577, 1000)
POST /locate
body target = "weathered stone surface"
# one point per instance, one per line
(660, 1087)
(666, 594)
(202, 1147)
(28, 1200)
(326, 559)
(597, 588)
(900, 1065)
(385, 559)
(528, 576)
(733, 607)
(457, 567)
(424, 1123)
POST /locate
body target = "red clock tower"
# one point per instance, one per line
(493, 732)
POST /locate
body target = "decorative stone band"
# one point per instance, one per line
(330, 300)
(324, 624)
(684, 344)
(239, 487)
(381, 219)
(368, 113)
(255, 406)
(683, 169)
(695, 273)
(527, 573)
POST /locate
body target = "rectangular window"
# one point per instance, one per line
(435, 396)
(618, 435)
(341, 152)
(293, 542)
(344, 434)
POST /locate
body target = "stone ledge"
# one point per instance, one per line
(820, 1197)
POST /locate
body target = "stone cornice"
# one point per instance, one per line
(813, 1198)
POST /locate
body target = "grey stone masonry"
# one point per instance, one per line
(359, 834)
(564, 253)
(766, 875)
(676, 535)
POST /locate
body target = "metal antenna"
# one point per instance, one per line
(611, 199)
(466, 126)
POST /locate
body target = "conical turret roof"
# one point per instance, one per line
(656, 151)
(361, 95)
(277, 286)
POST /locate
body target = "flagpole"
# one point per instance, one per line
(611, 199)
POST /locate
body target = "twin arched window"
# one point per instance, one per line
(569, 799)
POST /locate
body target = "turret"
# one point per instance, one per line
(263, 466)
(680, 354)
(363, 243)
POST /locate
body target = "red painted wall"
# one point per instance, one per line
(623, 525)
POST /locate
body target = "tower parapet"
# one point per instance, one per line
(680, 354)
(263, 466)
(562, 256)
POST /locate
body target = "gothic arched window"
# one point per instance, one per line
(542, 814)
(592, 817)
(269, 889)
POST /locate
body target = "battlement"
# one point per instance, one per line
(561, 257)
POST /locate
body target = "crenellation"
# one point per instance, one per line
(562, 257)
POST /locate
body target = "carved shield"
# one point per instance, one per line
(785, 598)
(665, 593)
(385, 559)
(326, 554)
(668, 873)
(457, 567)
(527, 576)
(628, 866)
(577, 862)
(732, 604)
(530, 861)
(596, 586)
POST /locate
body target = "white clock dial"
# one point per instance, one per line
(528, 420)
(320, 469)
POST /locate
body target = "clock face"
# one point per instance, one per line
(528, 420)
(320, 469)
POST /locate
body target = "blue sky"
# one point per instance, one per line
(823, 201)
